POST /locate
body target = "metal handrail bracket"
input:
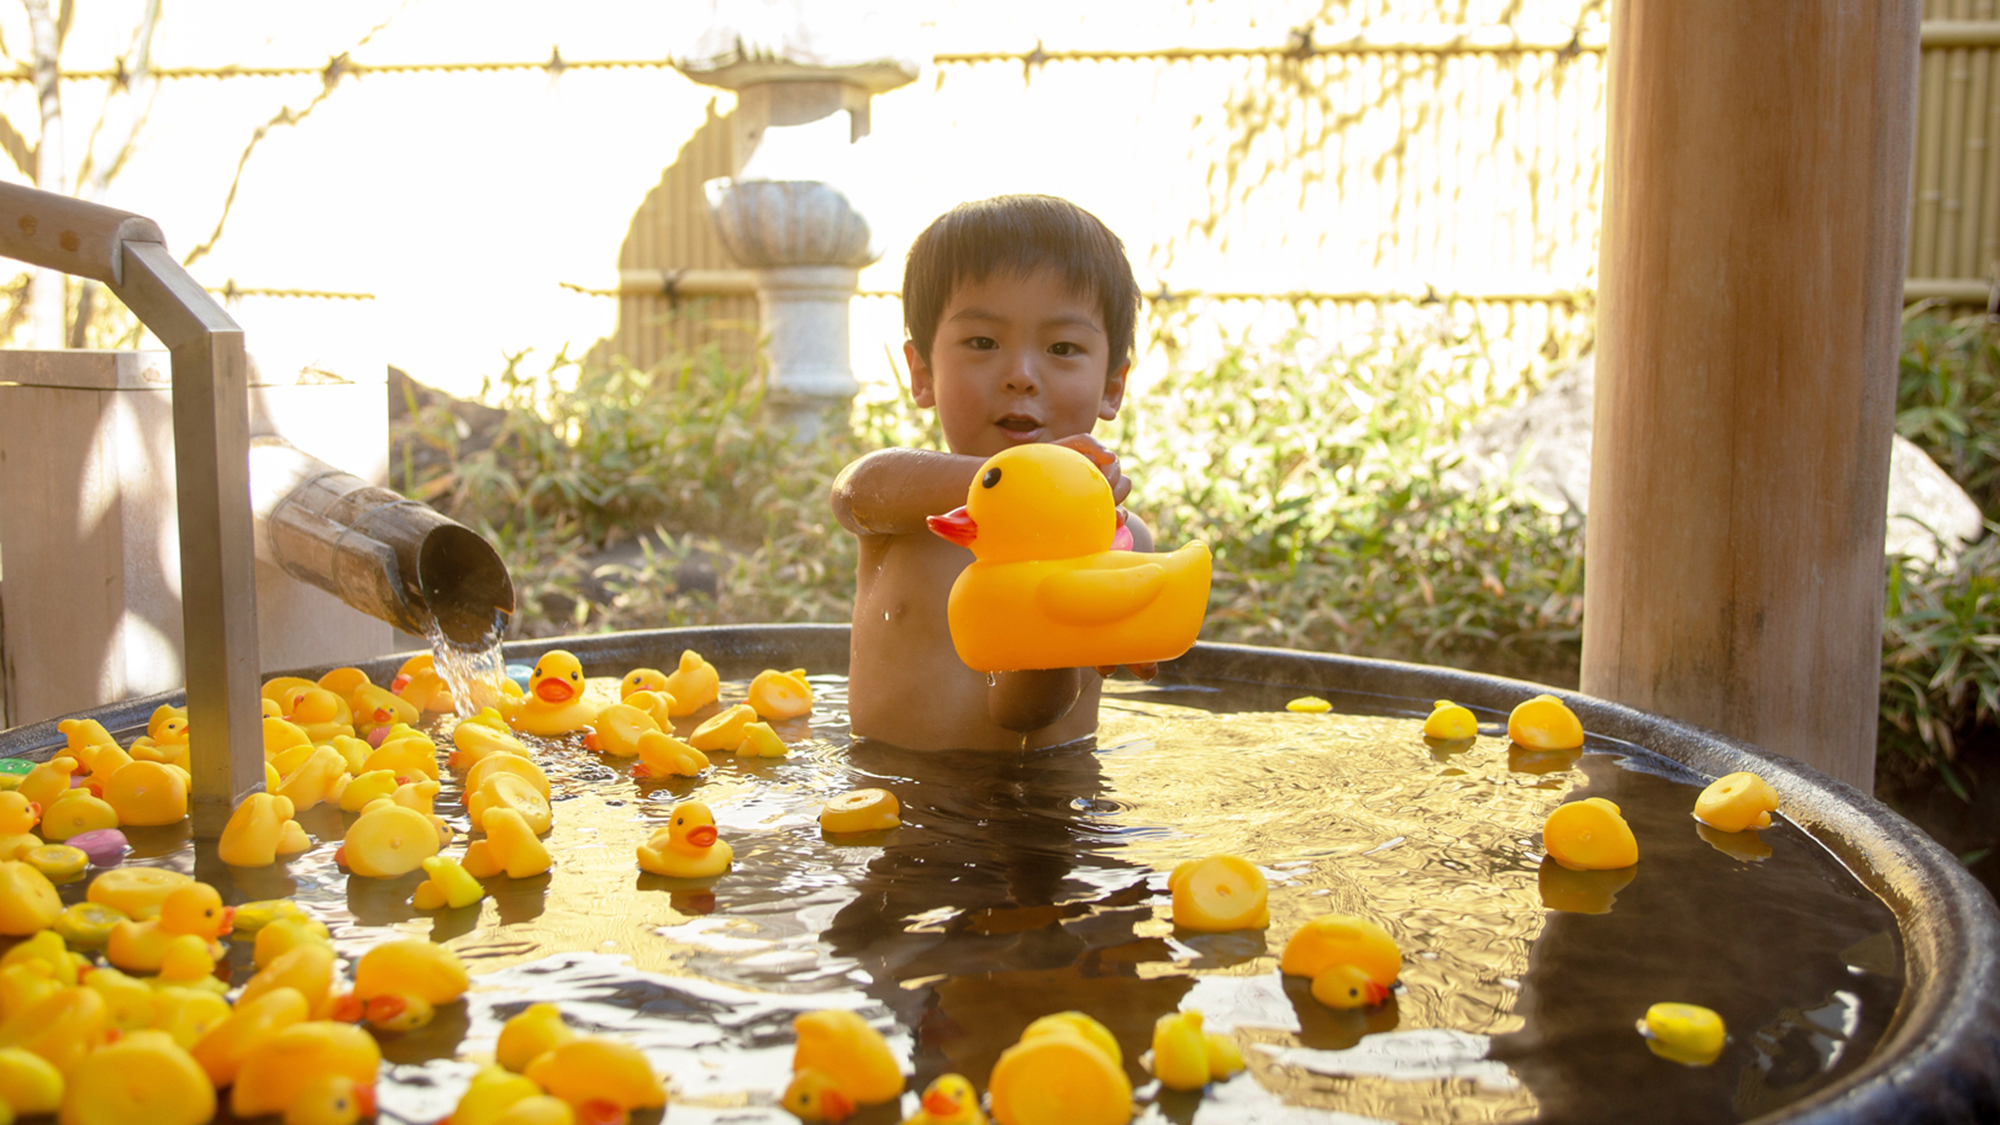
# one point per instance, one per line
(129, 255)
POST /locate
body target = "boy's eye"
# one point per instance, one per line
(981, 343)
(1064, 347)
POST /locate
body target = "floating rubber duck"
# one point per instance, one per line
(616, 730)
(642, 679)
(47, 781)
(510, 791)
(388, 840)
(418, 682)
(221, 1050)
(1449, 722)
(284, 935)
(657, 704)
(331, 1099)
(723, 731)
(694, 684)
(365, 788)
(861, 810)
(839, 1065)
(62, 1027)
(948, 1100)
(760, 741)
(46, 951)
(321, 714)
(1545, 723)
(1688, 1034)
(260, 829)
(1351, 962)
(76, 811)
(136, 892)
(555, 703)
(493, 1096)
(663, 755)
(281, 1069)
(29, 1083)
(1187, 1058)
(374, 707)
(28, 901)
(1589, 835)
(399, 984)
(252, 917)
(86, 924)
(186, 1014)
(195, 909)
(1219, 894)
(18, 815)
(510, 848)
(1046, 589)
(492, 766)
(589, 1071)
(144, 1076)
(410, 758)
(129, 1002)
(80, 733)
(777, 696)
(281, 735)
(147, 793)
(59, 862)
(1737, 801)
(1308, 705)
(523, 1038)
(343, 681)
(1066, 1070)
(475, 738)
(449, 886)
(688, 847)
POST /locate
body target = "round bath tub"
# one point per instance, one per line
(1915, 1036)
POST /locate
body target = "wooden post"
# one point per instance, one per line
(1757, 190)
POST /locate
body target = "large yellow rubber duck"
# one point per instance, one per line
(1187, 1058)
(1066, 1070)
(1737, 801)
(840, 1064)
(195, 909)
(688, 847)
(1351, 962)
(1046, 590)
(694, 684)
(948, 1100)
(555, 703)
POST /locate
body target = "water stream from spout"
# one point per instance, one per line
(473, 672)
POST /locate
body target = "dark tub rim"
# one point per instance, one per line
(1939, 1059)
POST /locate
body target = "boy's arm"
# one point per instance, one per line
(890, 491)
(1029, 701)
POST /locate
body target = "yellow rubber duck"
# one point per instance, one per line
(948, 1100)
(281, 735)
(1218, 894)
(374, 706)
(1066, 1070)
(29, 1083)
(410, 758)
(494, 765)
(777, 696)
(663, 755)
(1046, 590)
(260, 829)
(1589, 835)
(76, 812)
(694, 684)
(18, 815)
(538, 1028)
(643, 679)
(1450, 722)
(59, 862)
(839, 1065)
(306, 969)
(491, 1096)
(62, 1027)
(723, 731)
(363, 789)
(450, 886)
(275, 939)
(282, 1068)
(195, 909)
(555, 703)
(588, 1071)
(657, 704)
(688, 847)
(135, 892)
(1737, 801)
(331, 1099)
(510, 791)
(388, 840)
(1351, 962)
(1187, 1058)
(418, 682)
(144, 1076)
(343, 681)
(186, 1014)
(616, 730)
(1545, 723)
(861, 810)
(47, 781)
(147, 793)
(1688, 1034)
(477, 737)
(320, 713)
(1308, 705)
(400, 983)
(760, 741)
(221, 1050)
(510, 848)
(28, 901)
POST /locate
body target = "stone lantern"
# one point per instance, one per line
(785, 212)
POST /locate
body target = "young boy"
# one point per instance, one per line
(1020, 312)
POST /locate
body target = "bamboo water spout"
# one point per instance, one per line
(388, 556)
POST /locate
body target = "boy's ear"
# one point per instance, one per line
(921, 391)
(1114, 392)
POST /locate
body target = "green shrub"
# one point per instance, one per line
(1948, 398)
(1941, 656)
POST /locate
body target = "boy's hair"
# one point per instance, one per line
(1020, 235)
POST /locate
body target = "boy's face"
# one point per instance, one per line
(1016, 360)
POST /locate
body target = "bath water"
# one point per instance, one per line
(1023, 884)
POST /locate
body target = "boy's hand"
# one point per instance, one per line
(1141, 671)
(1106, 462)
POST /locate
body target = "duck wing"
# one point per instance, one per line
(1099, 595)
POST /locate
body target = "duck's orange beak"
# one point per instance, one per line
(836, 1106)
(954, 525)
(364, 1099)
(702, 837)
(552, 690)
(937, 1103)
(228, 921)
(1375, 992)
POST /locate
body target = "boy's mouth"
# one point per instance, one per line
(1020, 427)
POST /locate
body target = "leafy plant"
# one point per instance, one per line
(1948, 398)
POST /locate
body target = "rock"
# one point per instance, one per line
(1543, 445)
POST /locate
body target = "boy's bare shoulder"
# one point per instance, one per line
(891, 491)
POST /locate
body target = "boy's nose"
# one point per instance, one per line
(1021, 375)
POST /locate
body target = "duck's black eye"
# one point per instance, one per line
(991, 478)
